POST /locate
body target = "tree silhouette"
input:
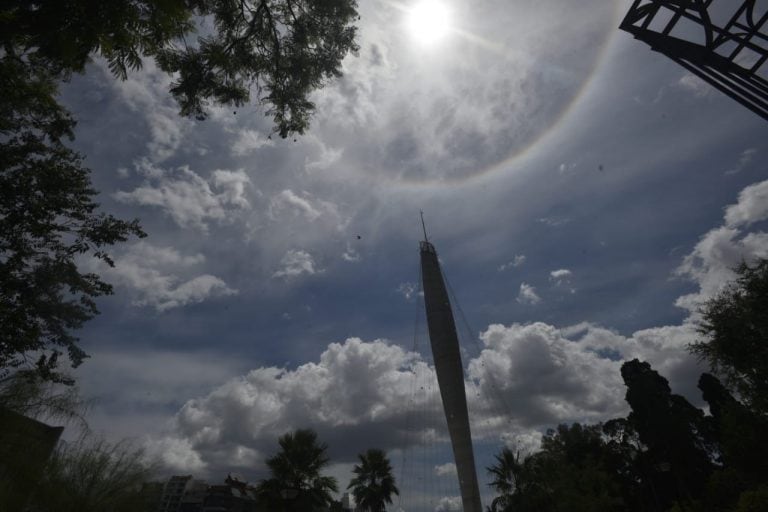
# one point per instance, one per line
(296, 483)
(740, 435)
(92, 475)
(280, 49)
(508, 479)
(672, 431)
(735, 328)
(373, 484)
(666, 456)
(48, 218)
(573, 471)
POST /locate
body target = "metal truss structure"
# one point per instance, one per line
(728, 57)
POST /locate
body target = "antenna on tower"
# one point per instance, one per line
(426, 239)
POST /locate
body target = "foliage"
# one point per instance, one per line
(296, 482)
(666, 455)
(740, 435)
(754, 500)
(571, 472)
(677, 443)
(283, 49)
(518, 483)
(735, 326)
(216, 50)
(27, 393)
(92, 475)
(373, 484)
(48, 217)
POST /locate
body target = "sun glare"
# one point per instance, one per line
(429, 21)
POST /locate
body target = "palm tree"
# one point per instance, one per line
(296, 483)
(507, 480)
(521, 484)
(373, 484)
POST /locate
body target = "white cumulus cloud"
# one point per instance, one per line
(288, 203)
(751, 207)
(408, 290)
(449, 504)
(449, 468)
(710, 265)
(188, 198)
(518, 260)
(160, 277)
(295, 263)
(527, 295)
(145, 91)
(350, 254)
(355, 389)
(526, 378)
(560, 276)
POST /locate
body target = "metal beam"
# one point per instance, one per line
(729, 58)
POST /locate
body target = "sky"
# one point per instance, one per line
(584, 193)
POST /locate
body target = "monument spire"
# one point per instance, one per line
(450, 372)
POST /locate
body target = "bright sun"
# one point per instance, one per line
(429, 21)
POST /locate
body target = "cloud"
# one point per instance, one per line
(449, 504)
(408, 290)
(133, 389)
(751, 207)
(287, 200)
(540, 377)
(554, 222)
(561, 277)
(146, 92)
(449, 468)
(745, 158)
(354, 391)
(405, 117)
(154, 274)
(289, 204)
(350, 254)
(233, 185)
(527, 377)
(518, 260)
(327, 157)
(188, 198)
(560, 274)
(175, 454)
(695, 85)
(710, 265)
(527, 295)
(249, 141)
(295, 263)
(524, 442)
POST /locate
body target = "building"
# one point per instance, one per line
(347, 505)
(25, 446)
(173, 491)
(194, 497)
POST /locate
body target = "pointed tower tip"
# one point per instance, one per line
(425, 245)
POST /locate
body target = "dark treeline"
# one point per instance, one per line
(666, 455)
